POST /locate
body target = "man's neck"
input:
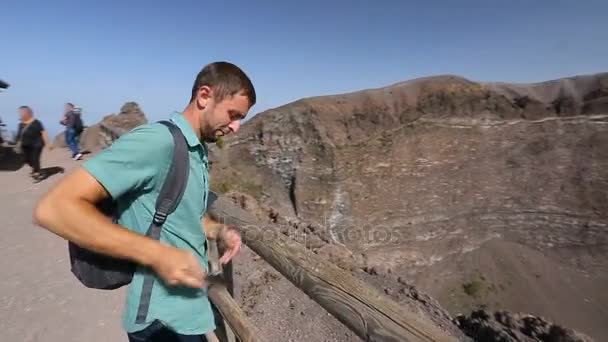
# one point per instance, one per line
(191, 114)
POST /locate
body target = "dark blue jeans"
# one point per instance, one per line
(157, 332)
(71, 138)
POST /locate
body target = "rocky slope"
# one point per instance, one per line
(478, 193)
(504, 326)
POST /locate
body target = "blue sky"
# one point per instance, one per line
(100, 54)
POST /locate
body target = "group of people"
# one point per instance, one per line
(32, 137)
(174, 305)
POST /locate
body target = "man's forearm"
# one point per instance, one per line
(81, 223)
(211, 227)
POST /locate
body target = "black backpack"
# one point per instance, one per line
(78, 124)
(99, 271)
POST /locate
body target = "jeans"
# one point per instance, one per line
(157, 332)
(71, 138)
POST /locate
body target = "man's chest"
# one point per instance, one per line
(188, 212)
(194, 200)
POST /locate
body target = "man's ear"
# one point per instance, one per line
(203, 96)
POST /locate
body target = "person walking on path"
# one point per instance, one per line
(73, 127)
(31, 139)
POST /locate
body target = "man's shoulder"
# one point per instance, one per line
(37, 124)
(134, 161)
(151, 140)
(150, 127)
(153, 134)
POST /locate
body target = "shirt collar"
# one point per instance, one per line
(179, 120)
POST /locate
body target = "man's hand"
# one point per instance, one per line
(230, 237)
(232, 242)
(179, 268)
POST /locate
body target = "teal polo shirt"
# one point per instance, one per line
(133, 170)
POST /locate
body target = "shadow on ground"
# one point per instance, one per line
(49, 171)
(9, 160)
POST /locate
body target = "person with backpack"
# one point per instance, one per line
(156, 178)
(72, 121)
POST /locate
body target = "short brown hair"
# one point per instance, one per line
(226, 79)
(29, 110)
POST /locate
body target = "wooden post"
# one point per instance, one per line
(370, 314)
(216, 250)
(232, 313)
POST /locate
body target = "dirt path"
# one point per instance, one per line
(40, 300)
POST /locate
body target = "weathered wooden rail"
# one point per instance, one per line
(370, 314)
(235, 322)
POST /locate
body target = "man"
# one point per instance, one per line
(132, 170)
(73, 127)
(32, 138)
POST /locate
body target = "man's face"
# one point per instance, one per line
(224, 117)
(67, 108)
(24, 114)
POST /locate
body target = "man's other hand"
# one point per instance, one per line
(231, 239)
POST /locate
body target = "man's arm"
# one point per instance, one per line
(65, 119)
(69, 211)
(45, 138)
(211, 227)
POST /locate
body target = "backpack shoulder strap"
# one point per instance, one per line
(175, 182)
(169, 197)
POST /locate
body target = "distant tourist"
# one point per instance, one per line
(165, 299)
(73, 128)
(31, 140)
(4, 136)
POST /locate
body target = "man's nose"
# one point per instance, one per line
(235, 125)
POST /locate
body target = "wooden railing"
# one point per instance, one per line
(233, 324)
(370, 314)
